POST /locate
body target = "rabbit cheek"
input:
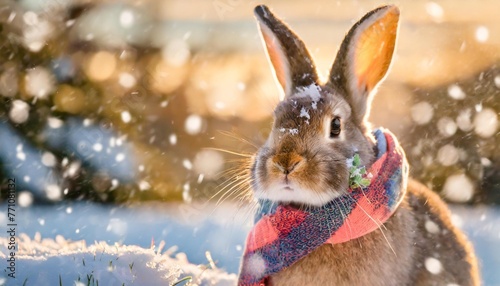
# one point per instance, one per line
(337, 178)
(259, 174)
(328, 175)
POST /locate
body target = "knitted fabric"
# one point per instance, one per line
(282, 235)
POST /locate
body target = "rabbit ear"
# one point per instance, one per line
(293, 66)
(365, 56)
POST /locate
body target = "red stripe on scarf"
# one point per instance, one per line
(269, 228)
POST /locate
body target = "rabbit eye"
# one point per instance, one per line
(335, 127)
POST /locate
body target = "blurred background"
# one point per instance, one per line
(128, 101)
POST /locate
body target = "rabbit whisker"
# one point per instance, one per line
(229, 152)
(379, 225)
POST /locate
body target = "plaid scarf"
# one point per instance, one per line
(282, 235)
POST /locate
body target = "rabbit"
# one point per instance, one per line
(307, 160)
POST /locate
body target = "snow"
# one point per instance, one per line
(21, 155)
(53, 192)
(457, 220)
(464, 120)
(144, 186)
(482, 34)
(72, 169)
(87, 122)
(304, 113)
(200, 178)
(126, 117)
(186, 195)
(446, 126)
(19, 111)
(11, 17)
(172, 139)
(478, 107)
(314, 105)
(48, 159)
(256, 265)
(485, 162)
(120, 157)
(431, 226)
(36, 32)
(486, 123)
(209, 163)
(292, 131)
(119, 141)
(497, 81)
(311, 90)
(30, 18)
(60, 261)
(97, 147)
(24, 199)
(241, 86)
(448, 155)
(39, 82)
(176, 53)
(458, 188)
(127, 80)
(422, 112)
(127, 18)
(456, 92)
(117, 226)
(187, 164)
(433, 265)
(114, 184)
(434, 10)
(193, 124)
(55, 122)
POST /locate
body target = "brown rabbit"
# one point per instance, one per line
(396, 231)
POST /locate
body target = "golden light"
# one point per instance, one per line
(69, 99)
(101, 66)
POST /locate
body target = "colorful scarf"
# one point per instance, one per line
(282, 235)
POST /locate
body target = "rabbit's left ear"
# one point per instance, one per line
(365, 56)
(293, 65)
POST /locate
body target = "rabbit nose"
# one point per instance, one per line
(287, 162)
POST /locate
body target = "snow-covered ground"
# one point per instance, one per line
(100, 243)
(61, 262)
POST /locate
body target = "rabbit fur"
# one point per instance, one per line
(304, 165)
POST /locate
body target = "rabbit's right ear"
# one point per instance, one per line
(293, 65)
(364, 57)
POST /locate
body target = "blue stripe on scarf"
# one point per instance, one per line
(392, 186)
(266, 207)
(381, 143)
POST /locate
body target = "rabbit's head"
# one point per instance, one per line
(318, 127)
